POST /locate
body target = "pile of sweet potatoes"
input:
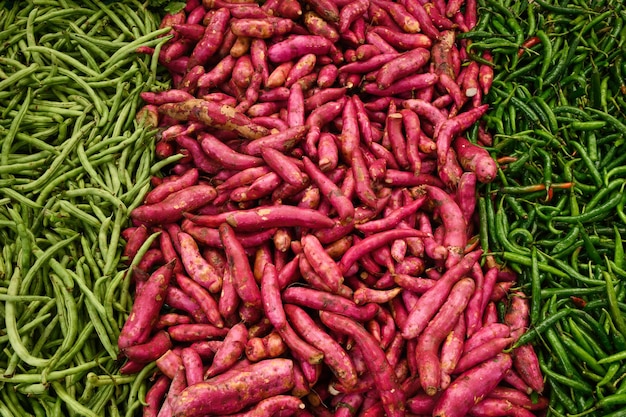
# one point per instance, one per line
(314, 252)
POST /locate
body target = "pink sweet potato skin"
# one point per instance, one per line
(234, 391)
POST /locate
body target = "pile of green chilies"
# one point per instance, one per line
(556, 212)
(73, 162)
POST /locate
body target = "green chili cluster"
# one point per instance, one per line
(73, 162)
(556, 212)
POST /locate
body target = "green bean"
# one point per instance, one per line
(130, 47)
(11, 326)
(71, 402)
(96, 311)
(28, 327)
(111, 260)
(43, 179)
(8, 139)
(18, 75)
(65, 58)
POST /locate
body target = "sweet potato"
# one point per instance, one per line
(284, 166)
(327, 152)
(493, 407)
(327, 75)
(146, 306)
(196, 266)
(471, 386)
(136, 237)
(391, 395)
(302, 68)
(369, 295)
(155, 395)
(321, 300)
(327, 9)
(269, 346)
(212, 38)
(316, 25)
(347, 405)
(452, 127)
(195, 11)
(284, 140)
(372, 64)
(192, 363)
(428, 304)
(520, 398)
(171, 319)
(170, 363)
(455, 237)
(206, 302)
(238, 390)
(514, 380)
(297, 46)
(192, 148)
(517, 316)
(374, 242)
(526, 363)
(151, 350)
(195, 331)
(393, 218)
(351, 12)
(167, 96)
(210, 236)
(242, 275)
(262, 28)
(248, 11)
(266, 217)
(476, 159)
(340, 202)
(451, 351)
(429, 342)
(159, 193)
(417, 10)
(230, 351)
(244, 177)
(485, 74)
(485, 334)
(411, 83)
(277, 405)
(406, 64)
(321, 262)
(290, 9)
(177, 299)
(482, 353)
(171, 209)
(226, 156)
(215, 115)
(334, 355)
(309, 275)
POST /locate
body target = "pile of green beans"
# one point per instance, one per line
(74, 161)
(556, 212)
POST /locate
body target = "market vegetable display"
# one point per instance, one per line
(360, 208)
(73, 163)
(322, 221)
